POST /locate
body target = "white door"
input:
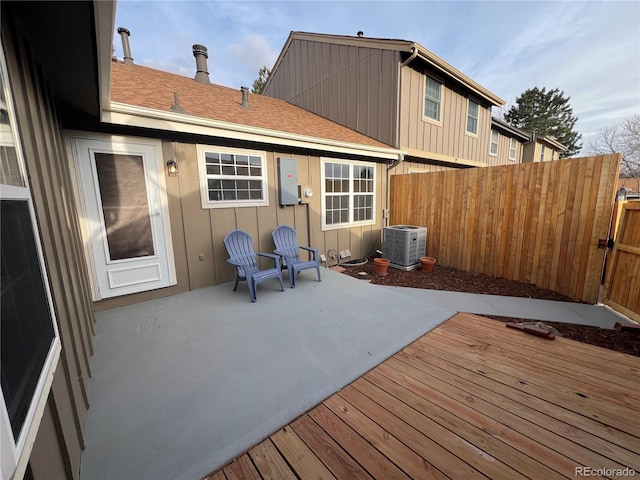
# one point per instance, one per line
(127, 222)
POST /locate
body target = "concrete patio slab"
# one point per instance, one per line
(183, 384)
(529, 308)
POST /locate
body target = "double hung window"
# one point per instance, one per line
(472, 117)
(433, 99)
(348, 193)
(30, 345)
(493, 145)
(513, 152)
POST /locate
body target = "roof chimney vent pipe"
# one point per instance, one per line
(360, 33)
(124, 34)
(245, 97)
(202, 71)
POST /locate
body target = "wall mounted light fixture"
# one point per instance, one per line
(172, 168)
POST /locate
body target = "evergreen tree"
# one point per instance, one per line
(546, 113)
(258, 83)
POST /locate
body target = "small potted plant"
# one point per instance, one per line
(427, 263)
(380, 266)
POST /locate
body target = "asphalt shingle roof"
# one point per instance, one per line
(146, 87)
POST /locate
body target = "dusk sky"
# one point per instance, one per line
(589, 50)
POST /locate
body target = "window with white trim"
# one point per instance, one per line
(553, 155)
(542, 150)
(472, 117)
(348, 193)
(493, 145)
(513, 149)
(432, 99)
(232, 177)
(30, 344)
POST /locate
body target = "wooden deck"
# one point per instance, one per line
(471, 399)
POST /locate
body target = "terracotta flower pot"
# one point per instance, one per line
(380, 266)
(427, 263)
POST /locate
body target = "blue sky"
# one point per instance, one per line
(589, 50)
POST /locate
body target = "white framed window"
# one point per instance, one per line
(433, 99)
(542, 151)
(232, 177)
(472, 117)
(348, 193)
(553, 155)
(30, 339)
(513, 149)
(493, 145)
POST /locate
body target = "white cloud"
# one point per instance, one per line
(253, 51)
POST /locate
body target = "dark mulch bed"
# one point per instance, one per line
(446, 278)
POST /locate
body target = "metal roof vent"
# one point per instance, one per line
(245, 97)
(176, 104)
(202, 71)
(126, 48)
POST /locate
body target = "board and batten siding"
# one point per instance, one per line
(449, 137)
(503, 151)
(60, 439)
(198, 232)
(354, 86)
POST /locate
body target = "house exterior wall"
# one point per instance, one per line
(61, 433)
(198, 231)
(532, 152)
(448, 137)
(354, 86)
(502, 158)
(416, 167)
(368, 90)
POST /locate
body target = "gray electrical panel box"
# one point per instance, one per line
(288, 181)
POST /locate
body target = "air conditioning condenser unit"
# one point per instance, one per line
(403, 245)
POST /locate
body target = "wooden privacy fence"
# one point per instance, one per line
(622, 288)
(536, 222)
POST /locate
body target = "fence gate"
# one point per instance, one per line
(622, 285)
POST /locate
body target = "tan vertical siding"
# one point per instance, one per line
(353, 86)
(198, 231)
(449, 137)
(54, 202)
(503, 151)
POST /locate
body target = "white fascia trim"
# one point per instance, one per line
(104, 17)
(123, 114)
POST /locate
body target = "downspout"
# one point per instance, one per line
(394, 164)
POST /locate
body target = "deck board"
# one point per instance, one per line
(471, 399)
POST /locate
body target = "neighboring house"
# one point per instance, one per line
(541, 148)
(506, 143)
(119, 183)
(631, 185)
(395, 91)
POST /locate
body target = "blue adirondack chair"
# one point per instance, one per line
(286, 242)
(241, 255)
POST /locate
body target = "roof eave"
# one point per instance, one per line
(448, 69)
(130, 115)
(513, 131)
